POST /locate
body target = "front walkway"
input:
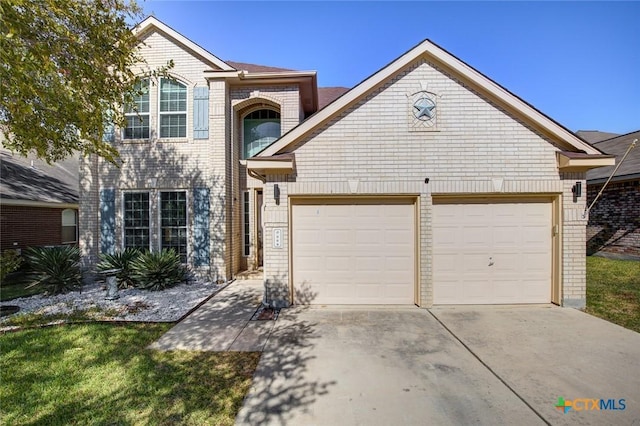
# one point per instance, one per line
(222, 324)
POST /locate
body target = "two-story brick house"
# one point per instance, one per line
(183, 183)
(427, 183)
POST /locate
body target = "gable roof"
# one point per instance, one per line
(629, 169)
(454, 66)
(28, 180)
(150, 23)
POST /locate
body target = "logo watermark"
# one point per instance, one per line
(590, 404)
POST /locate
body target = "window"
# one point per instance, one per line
(173, 222)
(246, 226)
(69, 226)
(136, 220)
(173, 109)
(137, 113)
(260, 129)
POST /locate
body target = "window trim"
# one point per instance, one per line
(161, 113)
(243, 156)
(158, 224)
(123, 221)
(138, 114)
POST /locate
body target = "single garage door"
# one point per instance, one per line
(492, 252)
(354, 251)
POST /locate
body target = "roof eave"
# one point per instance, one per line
(572, 163)
(151, 22)
(453, 65)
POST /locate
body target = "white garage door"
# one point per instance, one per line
(492, 253)
(354, 252)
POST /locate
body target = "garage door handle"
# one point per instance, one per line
(491, 261)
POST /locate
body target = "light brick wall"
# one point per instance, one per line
(185, 163)
(476, 148)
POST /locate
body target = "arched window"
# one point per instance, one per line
(260, 129)
(69, 226)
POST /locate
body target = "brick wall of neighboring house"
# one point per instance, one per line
(30, 227)
(614, 221)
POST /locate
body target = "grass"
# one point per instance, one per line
(103, 374)
(613, 291)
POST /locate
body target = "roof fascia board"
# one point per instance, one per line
(151, 22)
(568, 164)
(31, 203)
(458, 68)
(621, 178)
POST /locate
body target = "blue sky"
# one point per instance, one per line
(578, 62)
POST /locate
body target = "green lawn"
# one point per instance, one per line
(613, 291)
(102, 374)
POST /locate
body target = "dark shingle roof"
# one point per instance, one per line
(617, 146)
(242, 66)
(593, 136)
(326, 95)
(31, 179)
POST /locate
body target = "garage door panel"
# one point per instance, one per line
(365, 252)
(494, 253)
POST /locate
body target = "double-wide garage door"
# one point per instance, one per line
(492, 252)
(354, 251)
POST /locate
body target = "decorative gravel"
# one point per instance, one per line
(133, 304)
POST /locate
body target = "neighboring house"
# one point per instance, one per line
(614, 221)
(38, 201)
(427, 183)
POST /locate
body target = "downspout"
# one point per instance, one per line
(624, 157)
(257, 175)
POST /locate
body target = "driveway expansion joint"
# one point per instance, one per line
(496, 375)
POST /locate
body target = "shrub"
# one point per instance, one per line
(10, 261)
(120, 260)
(158, 270)
(57, 269)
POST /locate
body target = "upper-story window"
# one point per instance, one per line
(260, 129)
(137, 113)
(173, 109)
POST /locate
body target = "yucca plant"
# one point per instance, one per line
(120, 260)
(158, 270)
(57, 269)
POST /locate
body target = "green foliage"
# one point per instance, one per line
(613, 291)
(57, 269)
(158, 270)
(66, 66)
(10, 261)
(120, 260)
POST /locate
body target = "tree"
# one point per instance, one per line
(66, 67)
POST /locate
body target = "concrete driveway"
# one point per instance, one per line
(446, 366)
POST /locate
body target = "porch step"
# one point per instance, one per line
(255, 274)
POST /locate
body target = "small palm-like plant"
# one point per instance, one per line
(120, 260)
(158, 270)
(57, 269)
